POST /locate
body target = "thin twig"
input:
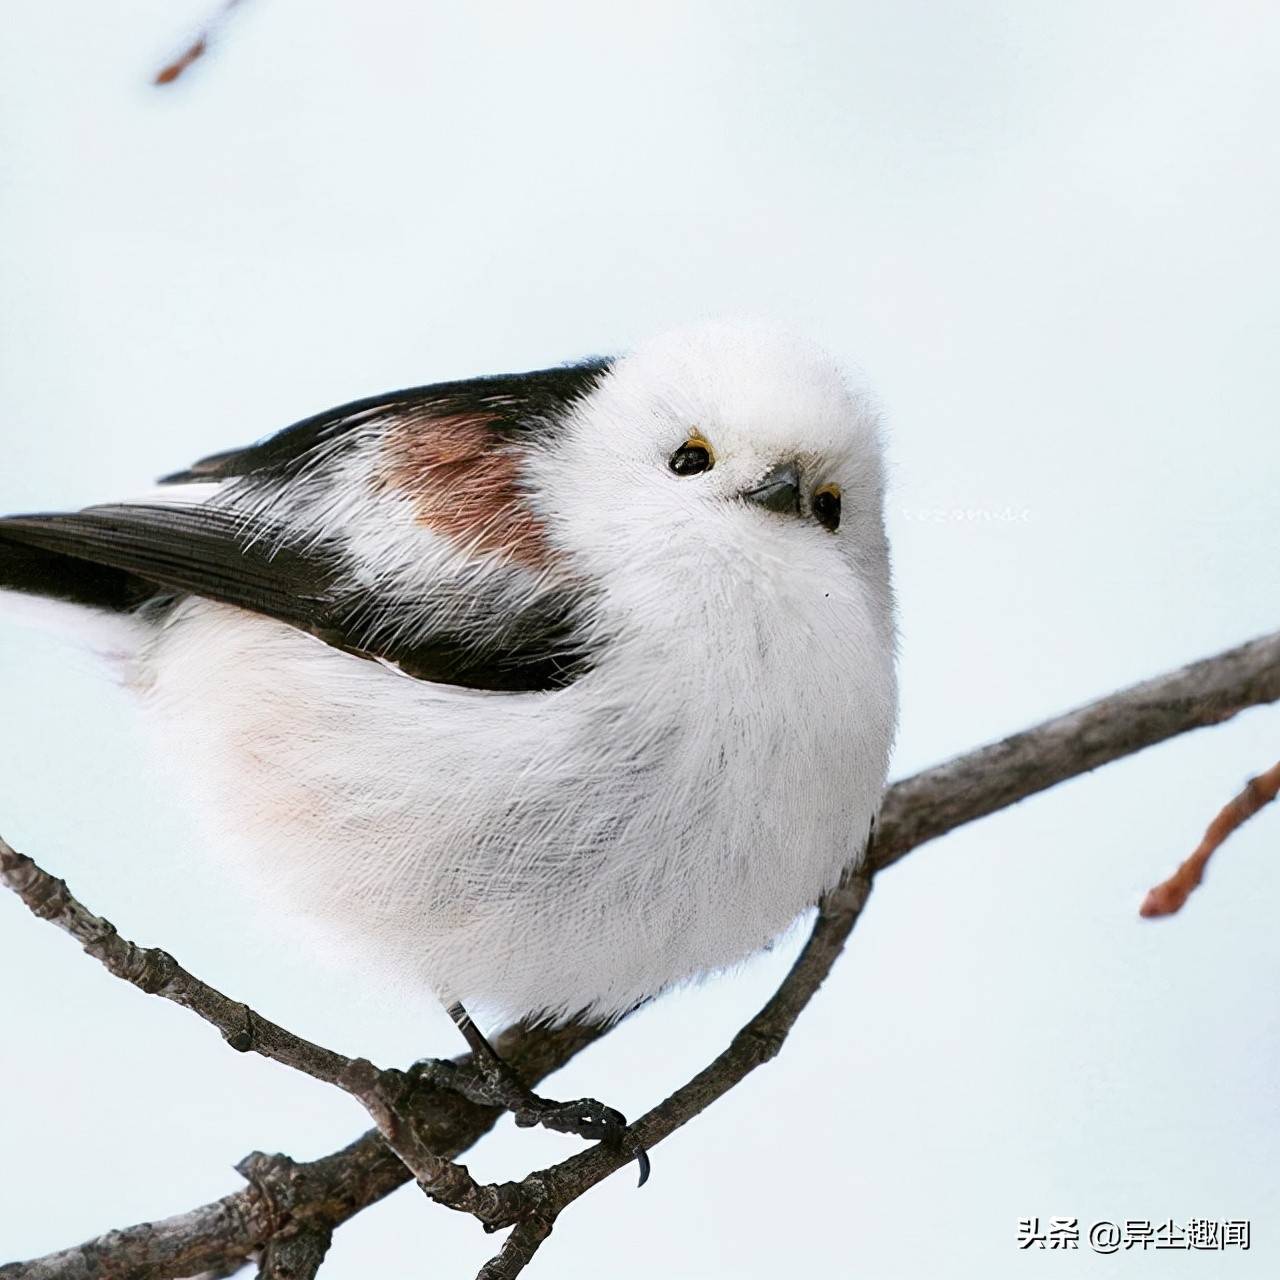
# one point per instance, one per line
(384, 1094)
(1169, 895)
(914, 811)
(517, 1249)
(157, 973)
(196, 49)
(757, 1043)
(323, 1193)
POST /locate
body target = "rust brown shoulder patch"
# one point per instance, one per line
(464, 481)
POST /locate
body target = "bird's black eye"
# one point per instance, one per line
(691, 457)
(826, 506)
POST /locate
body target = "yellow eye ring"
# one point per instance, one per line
(826, 506)
(692, 457)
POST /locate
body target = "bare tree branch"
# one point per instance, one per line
(385, 1094)
(294, 1257)
(157, 973)
(326, 1192)
(993, 777)
(551, 1190)
(517, 1250)
(1169, 895)
(282, 1195)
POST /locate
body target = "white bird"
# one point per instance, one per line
(548, 690)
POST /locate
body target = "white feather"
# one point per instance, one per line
(112, 636)
(666, 814)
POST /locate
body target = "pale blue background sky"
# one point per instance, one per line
(1048, 235)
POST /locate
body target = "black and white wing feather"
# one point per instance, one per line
(395, 528)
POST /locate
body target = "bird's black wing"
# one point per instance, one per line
(513, 405)
(135, 552)
(120, 557)
(123, 556)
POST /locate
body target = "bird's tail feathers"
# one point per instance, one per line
(69, 598)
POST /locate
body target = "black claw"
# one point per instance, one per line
(585, 1118)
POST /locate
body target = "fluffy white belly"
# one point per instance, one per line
(562, 853)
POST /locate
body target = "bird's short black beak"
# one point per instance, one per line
(779, 490)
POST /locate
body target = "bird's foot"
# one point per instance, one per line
(584, 1116)
(496, 1085)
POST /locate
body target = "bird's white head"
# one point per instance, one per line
(729, 440)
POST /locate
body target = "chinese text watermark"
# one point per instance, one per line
(1140, 1234)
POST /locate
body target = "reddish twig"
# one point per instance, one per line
(1169, 895)
(196, 49)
